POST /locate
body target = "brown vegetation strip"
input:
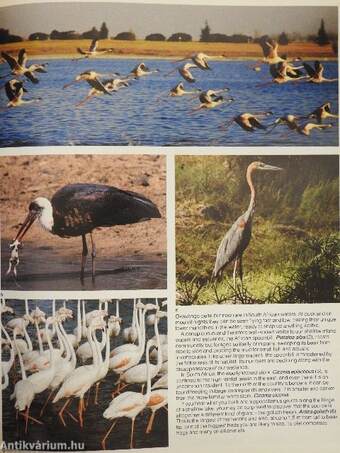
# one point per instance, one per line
(167, 49)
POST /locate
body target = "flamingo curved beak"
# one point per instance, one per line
(31, 217)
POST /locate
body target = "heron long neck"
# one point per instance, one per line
(251, 187)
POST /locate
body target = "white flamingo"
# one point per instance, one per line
(128, 404)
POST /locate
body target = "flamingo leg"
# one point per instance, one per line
(80, 412)
(45, 404)
(96, 394)
(72, 416)
(132, 429)
(150, 423)
(93, 255)
(107, 434)
(29, 417)
(60, 413)
(87, 398)
(83, 257)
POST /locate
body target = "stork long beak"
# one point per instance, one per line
(31, 217)
(271, 167)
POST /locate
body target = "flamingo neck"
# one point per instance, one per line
(41, 348)
(22, 368)
(159, 348)
(148, 372)
(71, 349)
(250, 170)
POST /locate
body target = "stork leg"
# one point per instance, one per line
(83, 257)
(93, 254)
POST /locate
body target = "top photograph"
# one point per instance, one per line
(131, 74)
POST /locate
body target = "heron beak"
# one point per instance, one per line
(31, 217)
(271, 167)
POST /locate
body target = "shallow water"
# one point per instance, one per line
(142, 114)
(41, 269)
(95, 426)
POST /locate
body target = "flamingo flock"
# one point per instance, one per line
(64, 365)
(281, 70)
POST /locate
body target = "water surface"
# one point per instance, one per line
(143, 114)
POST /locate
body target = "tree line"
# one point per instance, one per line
(321, 37)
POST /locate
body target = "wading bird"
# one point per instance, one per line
(323, 112)
(291, 122)
(248, 121)
(93, 51)
(18, 66)
(128, 404)
(77, 209)
(15, 91)
(238, 236)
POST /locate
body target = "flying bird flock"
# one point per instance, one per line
(49, 367)
(281, 71)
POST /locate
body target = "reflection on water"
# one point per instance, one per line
(41, 269)
(95, 426)
(143, 114)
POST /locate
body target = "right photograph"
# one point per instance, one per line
(257, 229)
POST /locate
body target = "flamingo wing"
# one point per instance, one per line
(310, 71)
(22, 57)
(93, 45)
(97, 85)
(256, 123)
(10, 60)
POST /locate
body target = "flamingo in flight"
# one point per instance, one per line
(210, 99)
(93, 50)
(19, 68)
(142, 70)
(179, 90)
(249, 122)
(316, 74)
(15, 91)
(106, 87)
(323, 112)
(78, 209)
(291, 121)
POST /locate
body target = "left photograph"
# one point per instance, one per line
(89, 222)
(84, 374)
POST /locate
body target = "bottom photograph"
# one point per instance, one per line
(85, 374)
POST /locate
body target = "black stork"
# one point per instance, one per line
(77, 209)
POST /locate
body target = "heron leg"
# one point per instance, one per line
(93, 254)
(83, 257)
(234, 272)
(240, 270)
